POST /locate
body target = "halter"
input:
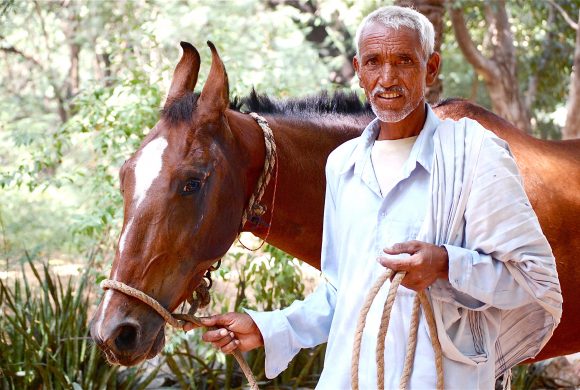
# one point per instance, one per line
(255, 209)
(201, 299)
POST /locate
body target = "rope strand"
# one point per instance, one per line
(421, 300)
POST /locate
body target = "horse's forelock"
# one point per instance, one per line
(181, 110)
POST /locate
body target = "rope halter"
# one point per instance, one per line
(202, 298)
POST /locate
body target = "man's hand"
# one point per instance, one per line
(426, 264)
(232, 331)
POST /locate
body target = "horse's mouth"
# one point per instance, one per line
(133, 358)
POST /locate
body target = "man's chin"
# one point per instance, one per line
(389, 115)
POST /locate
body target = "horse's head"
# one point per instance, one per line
(184, 194)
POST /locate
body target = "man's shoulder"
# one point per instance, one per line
(473, 129)
(342, 155)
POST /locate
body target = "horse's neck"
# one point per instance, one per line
(293, 221)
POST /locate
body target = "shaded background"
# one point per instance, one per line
(81, 83)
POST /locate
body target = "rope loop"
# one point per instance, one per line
(421, 300)
(255, 209)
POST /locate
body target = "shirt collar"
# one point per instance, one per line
(422, 151)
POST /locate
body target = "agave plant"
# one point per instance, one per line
(44, 340)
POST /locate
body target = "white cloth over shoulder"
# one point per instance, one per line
(479, 207)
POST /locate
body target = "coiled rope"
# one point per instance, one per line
(420, 300)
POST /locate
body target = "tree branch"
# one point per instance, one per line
(565, 15)
(467, 46)
(498, 12)
(13, 50)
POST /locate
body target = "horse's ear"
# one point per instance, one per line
(185, 74)
(215, 93)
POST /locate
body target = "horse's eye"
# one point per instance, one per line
(190, 186)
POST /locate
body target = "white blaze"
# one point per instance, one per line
(148, 167)
(124, 236)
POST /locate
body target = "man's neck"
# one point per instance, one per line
(408, 127)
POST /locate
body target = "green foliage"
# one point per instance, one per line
(61, 146)
(44, 340)
(544, 49)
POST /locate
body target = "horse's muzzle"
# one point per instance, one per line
(127, 337)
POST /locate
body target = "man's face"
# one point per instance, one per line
(392, 70)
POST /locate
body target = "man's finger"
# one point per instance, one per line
(213, 336)
(209, 321)
(396, 263)
(231, 346)
(409, 247)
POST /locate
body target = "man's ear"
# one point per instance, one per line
(356, 66)
(433, 64)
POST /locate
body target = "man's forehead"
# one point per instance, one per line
(376, 33)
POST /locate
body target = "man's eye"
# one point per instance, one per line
(190, 186)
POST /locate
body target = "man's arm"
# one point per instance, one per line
(502, 234)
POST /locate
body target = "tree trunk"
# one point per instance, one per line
(434, 10)
(572, 126)
(499, 71)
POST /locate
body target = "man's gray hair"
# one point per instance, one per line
(397, 17)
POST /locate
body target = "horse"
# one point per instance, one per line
(186, 189)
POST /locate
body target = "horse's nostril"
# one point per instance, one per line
(126, 339)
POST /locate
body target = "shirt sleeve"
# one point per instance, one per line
(304, 324)
(482, 281)
(506, 261)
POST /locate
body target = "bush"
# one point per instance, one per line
(44, 338)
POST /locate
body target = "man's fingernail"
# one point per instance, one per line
(223, 332)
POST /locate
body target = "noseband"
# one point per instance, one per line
(254, 210)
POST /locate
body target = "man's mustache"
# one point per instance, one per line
(395, 88)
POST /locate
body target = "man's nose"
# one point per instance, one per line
(389, 75)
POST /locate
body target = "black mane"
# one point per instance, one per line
(339, 102)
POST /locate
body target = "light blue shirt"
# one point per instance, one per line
(358, 223)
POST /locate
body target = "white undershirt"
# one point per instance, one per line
(388, 158)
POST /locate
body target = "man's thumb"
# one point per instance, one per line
(209, 321)
(401, 247)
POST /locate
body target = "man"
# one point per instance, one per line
(441, 200)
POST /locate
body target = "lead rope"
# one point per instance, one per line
(177, 320)
(420, 300)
